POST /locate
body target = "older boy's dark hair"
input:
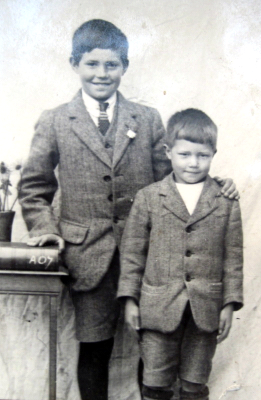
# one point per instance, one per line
(192, 125)
(100, 34)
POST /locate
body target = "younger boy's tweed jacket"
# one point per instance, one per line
(170, 257)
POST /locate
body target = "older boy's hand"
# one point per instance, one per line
(229, 188)
(225, 322)
(48, 238)
(132, 314)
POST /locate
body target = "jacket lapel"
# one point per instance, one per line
(126, 121)
(207, 202)
(84, 127)
(172, 200)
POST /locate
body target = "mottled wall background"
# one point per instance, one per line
(190, 53)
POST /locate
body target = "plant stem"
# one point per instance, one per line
(15, 200)
(6, 191)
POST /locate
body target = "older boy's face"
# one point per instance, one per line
(100, 72)
(190, 161)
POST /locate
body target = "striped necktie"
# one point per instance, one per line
(103, 121)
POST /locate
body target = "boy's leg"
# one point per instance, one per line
(140, 373)
(197, 351)
(93, 368)
(160, 355)
(96, 313)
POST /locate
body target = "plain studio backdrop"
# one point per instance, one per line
(190, 53)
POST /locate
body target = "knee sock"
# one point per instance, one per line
(93, 369)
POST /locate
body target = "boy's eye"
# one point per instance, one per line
(184, 154)
(204, 155)
(111, 64)
(91, 63)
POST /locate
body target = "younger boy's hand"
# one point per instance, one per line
(132, 314)
(47, 238)
(229, 188)
(225, 322)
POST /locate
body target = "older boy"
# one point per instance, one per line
(182, 264)
(106, 149)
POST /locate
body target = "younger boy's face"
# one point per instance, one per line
(190, 161)
(100, 72)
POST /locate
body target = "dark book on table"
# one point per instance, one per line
(20, 257)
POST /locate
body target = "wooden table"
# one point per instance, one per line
(41, 284)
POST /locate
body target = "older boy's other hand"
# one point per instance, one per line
(132, 314)
(229, 188)
(225, 322)
(50, 238)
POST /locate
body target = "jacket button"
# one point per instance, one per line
(107, 178)
(188, 278)
(115, 219)
(110, 197)
(189, 229)
(188, 253)
(107, 146)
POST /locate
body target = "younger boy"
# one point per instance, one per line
(106, 148)
(182, 264)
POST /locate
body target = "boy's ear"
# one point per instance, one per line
(125, 66)
(167, 151)
(73, 64)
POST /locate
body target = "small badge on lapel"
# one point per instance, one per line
(131, 134)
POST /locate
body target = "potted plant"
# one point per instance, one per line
(6, 204)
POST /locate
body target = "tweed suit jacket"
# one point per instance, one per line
(97, 191)
(170, 256)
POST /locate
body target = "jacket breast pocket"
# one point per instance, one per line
(73, 232)
(220, 214)
(218, 224)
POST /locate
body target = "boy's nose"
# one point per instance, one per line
(193, 162)
(102, 72)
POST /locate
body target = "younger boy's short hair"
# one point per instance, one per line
(100, 34)
(192, 125)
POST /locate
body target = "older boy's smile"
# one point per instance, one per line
(100, 72)
(190, 161)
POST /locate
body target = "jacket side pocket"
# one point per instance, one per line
(73, 232)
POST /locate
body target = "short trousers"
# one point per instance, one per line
(97, 311)
(187, 352)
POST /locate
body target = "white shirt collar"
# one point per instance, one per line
(190, 194)
(93, 109)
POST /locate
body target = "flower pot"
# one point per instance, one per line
(6, 223)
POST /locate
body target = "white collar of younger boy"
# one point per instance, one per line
(190, 194)
(92, 106)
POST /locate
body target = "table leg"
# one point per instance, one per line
(53, 348)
